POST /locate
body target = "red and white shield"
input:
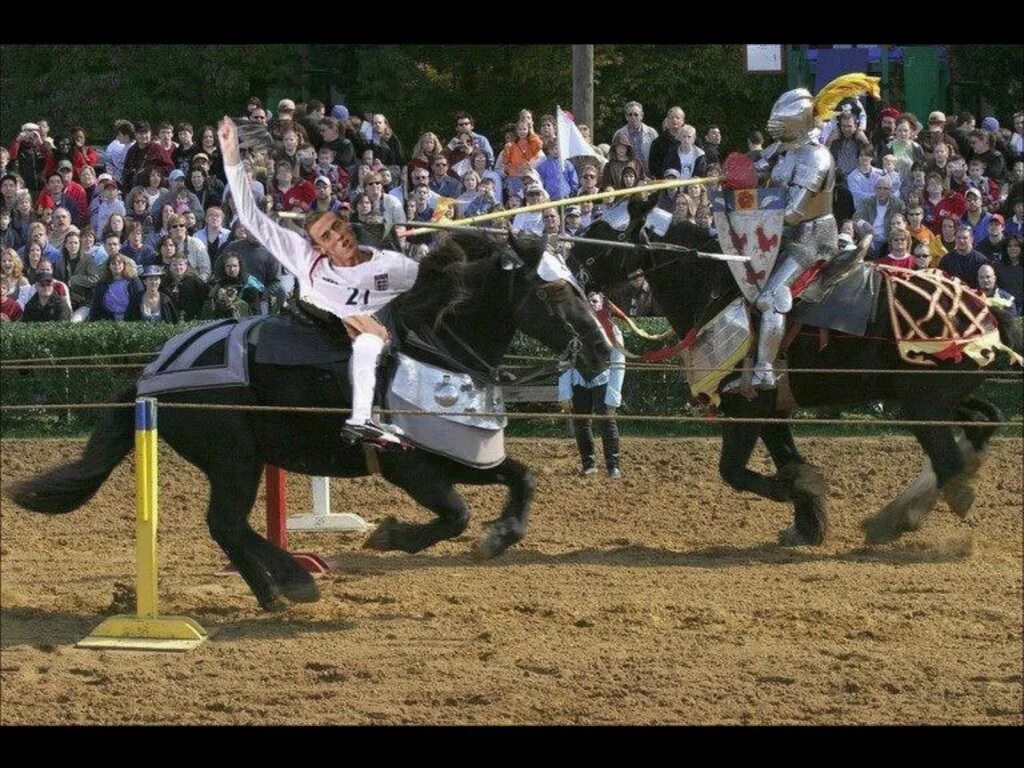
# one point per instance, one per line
(749, 223)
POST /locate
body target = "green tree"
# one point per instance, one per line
(994, 73)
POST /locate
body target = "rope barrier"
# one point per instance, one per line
(80, 357)
(528, 415)
(639, 366)
(78, 367)
(629, 366)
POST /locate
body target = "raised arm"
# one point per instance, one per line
(289, 248)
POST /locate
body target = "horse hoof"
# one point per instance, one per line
(497, 540)
(301, 591)
(380, 539)
(791, 537)
(960, 497)
(276, 604)
(880, 529)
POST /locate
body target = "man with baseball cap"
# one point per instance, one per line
(176, 193)
(325, 201)
(993, 247)
(107, 203)
(46, 306)
(285, 121)
(936, 134)
(74, 191)
(975, 216)
(573, 219)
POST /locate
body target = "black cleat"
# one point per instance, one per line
(371, 432)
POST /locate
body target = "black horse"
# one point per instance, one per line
(691, 290)
(470, 297)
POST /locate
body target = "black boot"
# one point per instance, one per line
(585, 444)
(610, 445)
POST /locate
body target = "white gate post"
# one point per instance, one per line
(321, 518)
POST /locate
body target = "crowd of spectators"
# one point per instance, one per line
(144, 229)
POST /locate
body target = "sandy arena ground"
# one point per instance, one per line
(659, 599)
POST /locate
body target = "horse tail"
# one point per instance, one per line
(1011, 329)
(66, 488)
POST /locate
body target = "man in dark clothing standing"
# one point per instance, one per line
(667, 144)
(45, 306)
(28, 156)
(963, 261)
(332, 133)
(135, 157)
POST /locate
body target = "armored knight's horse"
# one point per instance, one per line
(851, 315)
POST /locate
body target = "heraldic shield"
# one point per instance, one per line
(749, 223)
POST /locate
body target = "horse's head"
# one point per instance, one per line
(684, 285)
(548, 306)
(506, 284)
(602, 267)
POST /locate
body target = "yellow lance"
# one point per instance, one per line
(655, 187)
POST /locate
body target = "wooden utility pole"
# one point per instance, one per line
(583, 84)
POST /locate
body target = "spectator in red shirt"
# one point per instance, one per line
(292, 193)
(161, 152)
(59, 193)
(899, 254)
(940, 203)
(10, 310)
(81, 155)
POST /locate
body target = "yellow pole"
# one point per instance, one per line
(146, 508)
(147, 630)
(656, 187)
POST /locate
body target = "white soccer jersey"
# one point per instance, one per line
(342, 291)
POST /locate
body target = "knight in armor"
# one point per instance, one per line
(335, 275)
(805, 169)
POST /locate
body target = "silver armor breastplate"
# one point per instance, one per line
(809, 168)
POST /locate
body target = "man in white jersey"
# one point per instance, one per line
(336, 275)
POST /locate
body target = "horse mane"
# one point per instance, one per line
(453, 274)
(439, 284)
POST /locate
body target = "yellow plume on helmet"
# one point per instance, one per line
(844, 86)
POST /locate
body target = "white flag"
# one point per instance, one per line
(570, 141)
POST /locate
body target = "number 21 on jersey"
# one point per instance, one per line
(354, 297)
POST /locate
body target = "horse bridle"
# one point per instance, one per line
(429, 341)
(549, 292)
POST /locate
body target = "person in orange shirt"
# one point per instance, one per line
(526, 148)
(924, 236)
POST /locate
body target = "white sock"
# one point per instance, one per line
(366, 349)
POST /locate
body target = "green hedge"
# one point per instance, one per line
(649, 393)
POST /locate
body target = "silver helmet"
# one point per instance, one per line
(792, 115)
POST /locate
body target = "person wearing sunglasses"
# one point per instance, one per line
(635, 132)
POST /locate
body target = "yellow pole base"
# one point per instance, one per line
(159, 633)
